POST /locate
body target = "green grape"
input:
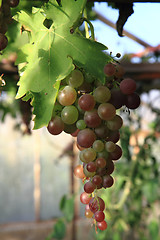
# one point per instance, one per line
(88, 155)
(69, 114)
(110, 146)
(102, 94)
(75, 79)
(80, 124)
(98, 146)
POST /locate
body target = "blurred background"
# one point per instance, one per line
(39, 196)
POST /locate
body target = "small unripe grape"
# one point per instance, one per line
(81, 124)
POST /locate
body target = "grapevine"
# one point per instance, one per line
(74, 87)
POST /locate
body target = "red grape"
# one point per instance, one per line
(92, 118)
(86, 138)
(107, 181)
(99, 216)
(106, 111)
(86, 102)
(128, 86)
(89, 187)
(102, 225)
(3, 41)
(117, 153)
(109, 69)
(96, 204)
(55, 126)
(133, 101)
(85, 198)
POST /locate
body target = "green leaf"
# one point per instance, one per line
(67, 208)
(154, 230)
(62, 202)
(51, 54)
(59, 230)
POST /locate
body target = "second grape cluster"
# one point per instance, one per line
(86, 109)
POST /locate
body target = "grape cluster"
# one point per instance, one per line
(86, 109)
(5, 19)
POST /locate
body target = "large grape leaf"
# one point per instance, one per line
(50, 54)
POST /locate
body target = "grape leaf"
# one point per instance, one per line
(52, 52)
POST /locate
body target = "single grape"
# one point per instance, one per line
(55, 126)
(117, 153)
(86, 138)
(106, 111)
(81, 124)
(89, 187)
(86, 102)
(99, 216)
(96, 204)
(107, 181)
(115, 123)
(88, 155)
(85, 198)
(109, 69)
(117, 98)
(98, 146)
(92, 118)
(3, 41)
(110, 146)
(101, 162)
(102, 225)
(97, 180)
(67, 96)
(133, 101)
(13, 3)
(109, 167)
(113, 136)
(102, 94)
(78, 172)
(128, 86)
(91, 166)
(88, 213)
(69, 114)
(75, 79)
